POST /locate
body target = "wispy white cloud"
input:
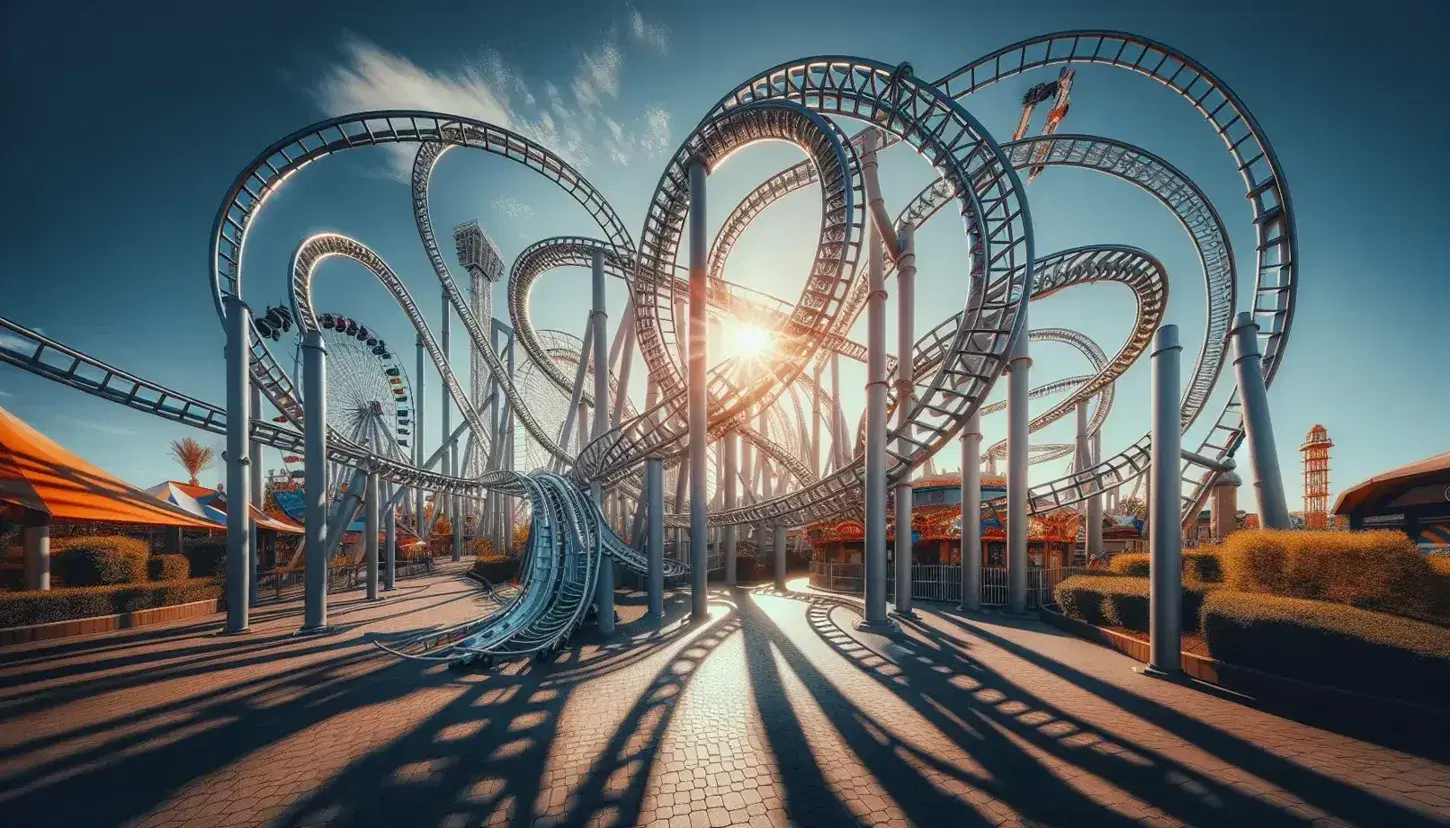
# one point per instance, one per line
(579, 119)
(107, 428)
(512, 207)
(4, 393)
(11, 342)
(643, 30)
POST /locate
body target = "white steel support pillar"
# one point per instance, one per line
(698, 422)
(371, 519)
(1258, 426)
(598, 320)
(767, 488)
(239, 465)
(1018, 391)
(731, 466)
(419, 452)
(1095, 505)
(875, 569)
(445, 503)
(838, 433)
(258, 472)
(390, 542)
(1165, 534)
(815, 419)
(35, 538)
(314, 483)
(905, 382)
(778, 556)
(972, 514)
(654, 484)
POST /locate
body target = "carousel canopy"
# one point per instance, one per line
(212, 505)
(36, 473)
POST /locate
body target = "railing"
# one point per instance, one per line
(943, 582)
(278, 583)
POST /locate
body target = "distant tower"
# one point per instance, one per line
(480, 257)
(1316, 477)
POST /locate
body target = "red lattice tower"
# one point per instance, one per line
(1316, 477)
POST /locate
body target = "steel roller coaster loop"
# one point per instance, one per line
(954, 366)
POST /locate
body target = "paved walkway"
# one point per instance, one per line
(775, 713)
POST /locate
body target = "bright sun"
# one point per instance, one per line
(752, 340)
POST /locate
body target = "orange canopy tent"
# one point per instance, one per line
(212, 504)
(37, 474)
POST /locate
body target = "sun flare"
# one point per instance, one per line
(753, 340)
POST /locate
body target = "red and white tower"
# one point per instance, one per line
(1316, 477)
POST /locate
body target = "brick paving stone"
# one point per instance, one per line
(776, 712)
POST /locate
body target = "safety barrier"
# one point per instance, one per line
(943, 582)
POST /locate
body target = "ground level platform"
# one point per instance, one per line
(774, 713)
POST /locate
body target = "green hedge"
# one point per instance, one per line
(749, 569)
(1331, 644)
(496, 569)
(1120, 602)
(208, 558)
(168, 568)
(98, 560)
(1200, 566)
(1379, 570)
(24, 608)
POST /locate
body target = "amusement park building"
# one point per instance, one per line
(936, 515)
(1413, 498)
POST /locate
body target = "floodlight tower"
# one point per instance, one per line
(481, 258)
(1316, 477)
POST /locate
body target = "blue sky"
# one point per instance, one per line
(128, 124)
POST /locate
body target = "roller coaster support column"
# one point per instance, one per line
(371, 516)
(767, 490)
(1018, 389)
(1095, 505)
(1082, 460)
(598, 321)
(314, 483)
(1165, 533)
(905, 344)
(654, 484)
(254, 452)
(418, 450)
(972, 514)
(699, 506)
(390, 543)
(1258, 428)
(778, 556)
(875, 618)
(731, 466)
(816, 418)
(838, 432)
(35, 537)
(447, 504)
(239, 488)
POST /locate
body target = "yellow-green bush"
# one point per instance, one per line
(1380, 570)
(1120, 601)
(1329, 643)
(98, 560)
(24, 608)
(1200, 566)
(168, 567)
(496, 569)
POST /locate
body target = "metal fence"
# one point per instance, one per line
(279, 583)
(943, 582)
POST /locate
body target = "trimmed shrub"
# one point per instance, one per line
(1106, 601)
(496, 569)
(208, 558)
(98, 560)
(1380, 570)
(749, 569)
(1200, 566)
(1329, 643)
(168, 568)
(24, 608)
(1129, 564)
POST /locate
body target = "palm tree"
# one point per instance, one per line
(192, 456)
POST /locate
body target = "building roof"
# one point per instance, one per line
(36, 473)
(210, 504)
(1383, 485)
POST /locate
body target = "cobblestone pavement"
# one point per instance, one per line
(774, 713)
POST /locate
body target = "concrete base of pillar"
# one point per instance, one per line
(325, 629)
(887, 627)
